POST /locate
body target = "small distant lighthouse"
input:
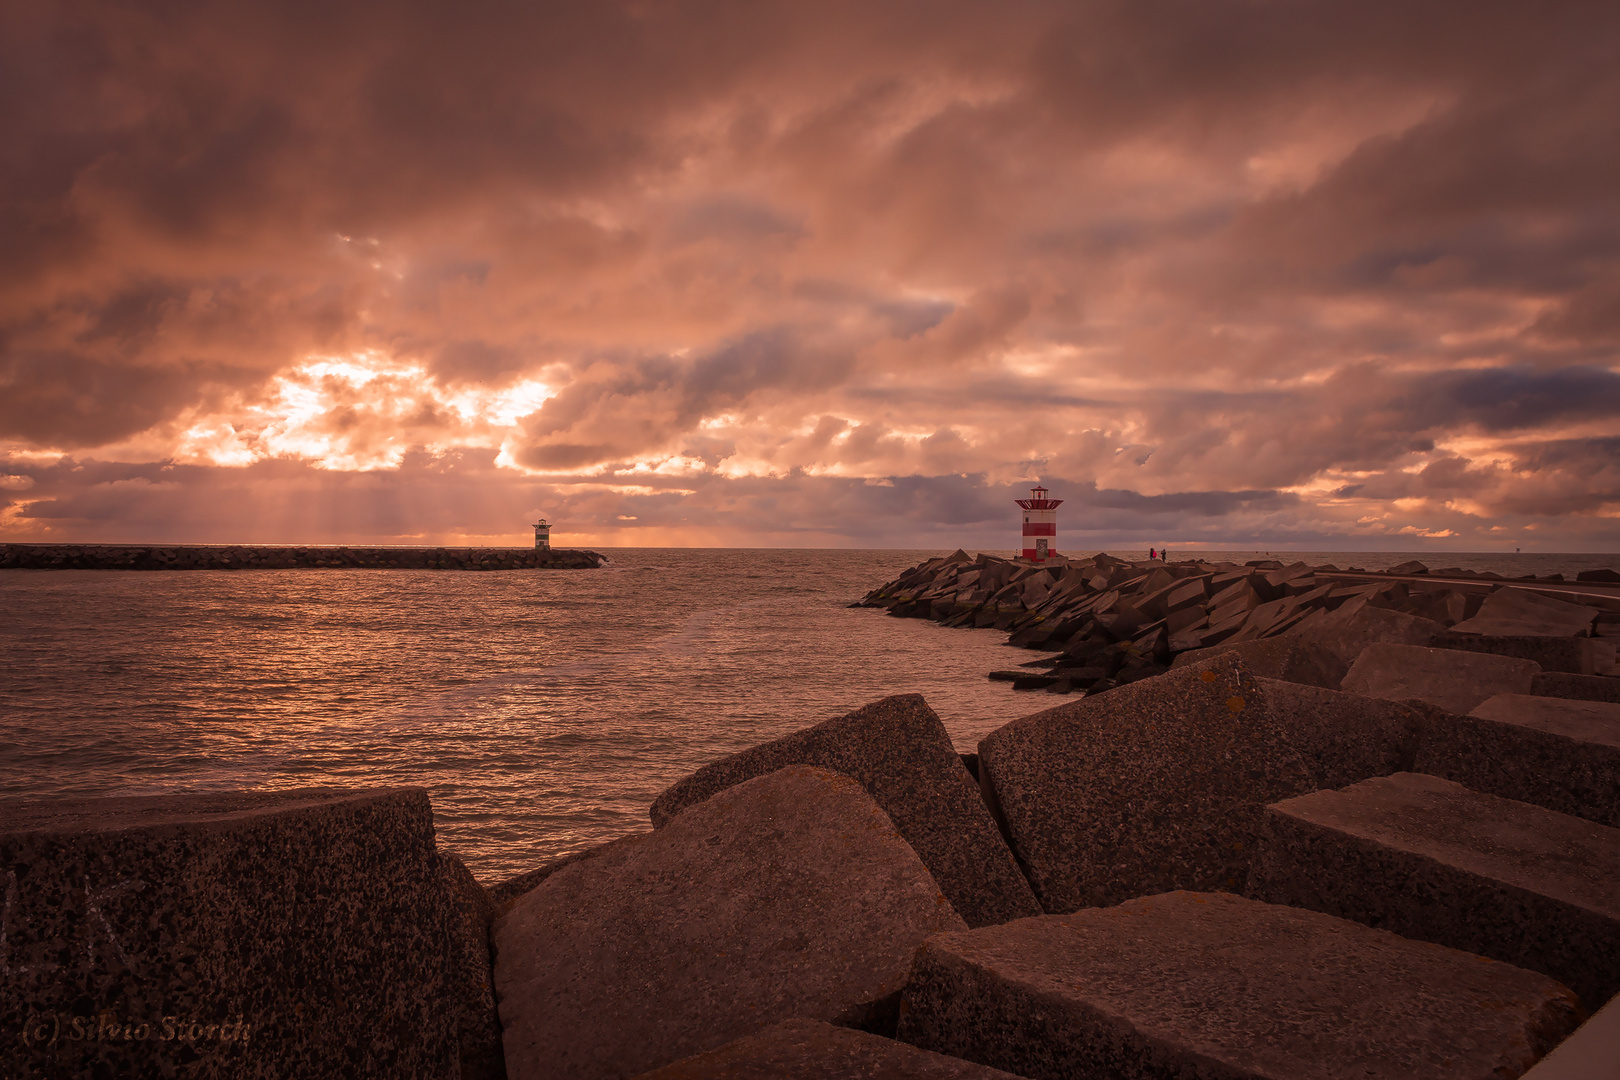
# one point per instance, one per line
(1040, 525)
(542, 535)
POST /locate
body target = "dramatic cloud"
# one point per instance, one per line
(1240, 273)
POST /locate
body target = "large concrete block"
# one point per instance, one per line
(1557, 753)
(1214, 985)
(1288, 659)
(1578, 687)
(1448, 679)
(791, 894)
(1162, 784)
(1357, 624)
(472, 977)
(812, 1050)
(1511, 612)
(506, 893)
(1577, 655)
(1428, 858)
(259, 934)
(900, 752)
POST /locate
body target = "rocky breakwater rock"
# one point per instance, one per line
(286, 557)
(1448, 679)
(1517, 612)
(1213, 985)
(288, 934)
(1553, 752)
(899, 751)
(788, 895)
(1429, 859)
(1117, 622)
(1163, 784)
(1289, 659)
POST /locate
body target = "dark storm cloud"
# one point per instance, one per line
(1251, 265)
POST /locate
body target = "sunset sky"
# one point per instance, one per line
(1241, 274)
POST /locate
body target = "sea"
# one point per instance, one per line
(542, 710)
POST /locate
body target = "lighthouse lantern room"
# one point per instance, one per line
(1040, 525)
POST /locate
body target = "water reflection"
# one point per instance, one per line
(543, 710)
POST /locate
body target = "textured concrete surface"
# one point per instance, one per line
(1214, 985)
(1518, 612)
(791, 894)
(1554, 752)
(1452, 680)
(1576, 655)
(812, 1050)
(1163, 784)
(1288, 659)
(1357, 624)
(472, 978)
(1427, 858)
(503, 895)
(1579, 687)
(260, 934)
(900, 752)
(1589, 1054)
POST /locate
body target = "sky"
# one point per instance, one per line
(1321, 275)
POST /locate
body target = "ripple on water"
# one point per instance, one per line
(544, 711)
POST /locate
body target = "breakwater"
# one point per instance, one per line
(286, 557)
(1116, 621)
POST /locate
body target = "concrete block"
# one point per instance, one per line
(1578, 687)
(1576, 655)
(1213, 985)
(1430, 859)
(254, 934)
(1162, 784)
(812, 1050)
(1557, 753)
(1286, 658)
(503, 895)
(1355, 624)
(1451, 680)
(1509, 612)
(791, 894)
(900, 752)
(472, 978)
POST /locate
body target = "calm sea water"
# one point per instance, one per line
(544, 710)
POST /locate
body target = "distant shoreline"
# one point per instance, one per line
(157, 557)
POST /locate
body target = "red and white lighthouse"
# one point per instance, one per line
(1040, 525)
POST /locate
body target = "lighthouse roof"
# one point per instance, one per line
(1038, 500)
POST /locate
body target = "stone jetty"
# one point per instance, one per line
(1380, 841)
(1111, 621)
(286, 557)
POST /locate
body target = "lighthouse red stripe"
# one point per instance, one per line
(1040, 528)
